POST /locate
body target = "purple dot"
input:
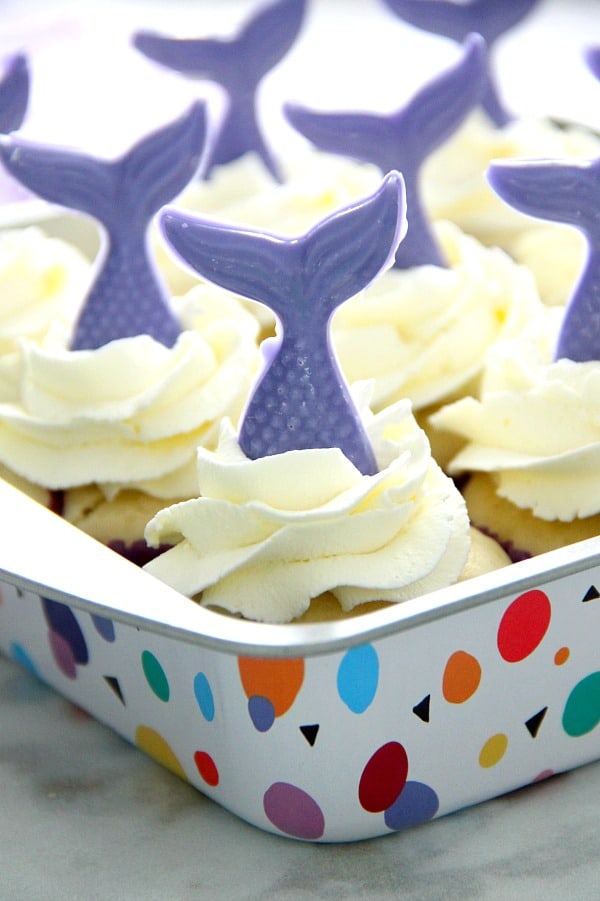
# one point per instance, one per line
(293, 811)
(416, 804)
(262, 712)
(63, 655)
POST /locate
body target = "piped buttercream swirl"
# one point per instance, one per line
(535, 427)
(423, 333)
(268, 535)
(131, 413)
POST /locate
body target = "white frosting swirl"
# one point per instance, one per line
(454, 182)
(42, 281)
(131, 413)
(423, 333)
(536, 426)
(555, 254)
(268, 535)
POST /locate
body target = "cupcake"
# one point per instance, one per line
(108, 414)
(454, 183)
(314, 498)
(532, 437)
(423, 329)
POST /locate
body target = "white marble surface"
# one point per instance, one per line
(84, 815)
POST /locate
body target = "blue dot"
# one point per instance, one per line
(417, 803)
(262, 713)
(104, 627)
(358, 677)
(204, 697)
(20, 656)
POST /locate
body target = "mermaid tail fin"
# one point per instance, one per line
(260, 45)
(490, 18)
(329, 264)
(566, 192)
(301, 400)
(127, 297)
(14, 93)
(404, 139)
(569, 193)
(238, 64)
(116, 192)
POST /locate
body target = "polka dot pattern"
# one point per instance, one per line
(462, 675)
(293, 811)
(155, 676)
(271, 687)
(493, 750)
(582, 710)
(383, 777)
(204, 696)
(524, 625)
(207, 768)
(364, 740)
(357, 678)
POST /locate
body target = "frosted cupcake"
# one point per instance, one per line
(454, 183)
(108, 419)
(314, 498)
(533, 440)
(423, 329)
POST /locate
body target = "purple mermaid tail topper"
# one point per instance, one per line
(404, 139)
(238, 64)
(301, 400)
(490, 18)
(126, 297)
(14, 93)
(567, 192)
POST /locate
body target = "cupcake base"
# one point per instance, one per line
(519, 532)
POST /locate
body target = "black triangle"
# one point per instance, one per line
(534, 722)
(310, 733)
(422, 709)
(591, 594)
(113, 683)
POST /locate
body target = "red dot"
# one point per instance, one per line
(206, 767)
(383, 777)
(524, 625)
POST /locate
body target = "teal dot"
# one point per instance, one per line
(155, 676)
(204, 697)
(582, 710)
(358, 677)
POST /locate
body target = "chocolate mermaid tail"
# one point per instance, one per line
(568, 193)
(301, 400)
(489, 18)
(238, 65)
(126, 297)
(14, 93)
(403, 140)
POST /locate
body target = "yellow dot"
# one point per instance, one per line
(153, 744)
(561, 656)
(493, 750)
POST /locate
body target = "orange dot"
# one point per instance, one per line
(561, 656)
(277, 680)
(461, 679)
